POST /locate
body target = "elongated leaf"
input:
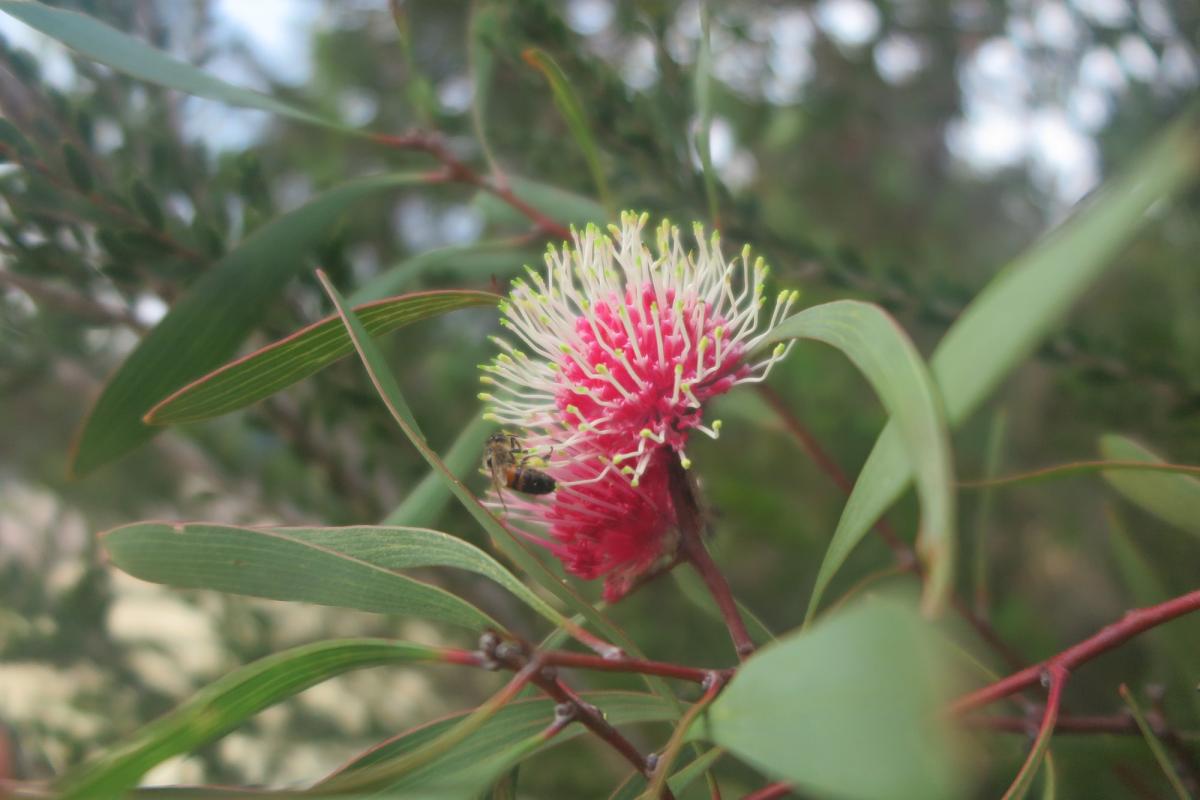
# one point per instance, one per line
(702, 90)
(890, 362)
(204, 328)
(983, 512)
(280, 565)
(93, 39)
(483, 33)
(572, 111)
(224, 705)
(635, 784)
(1156, 746)
(396, 548)
(517, 720)
(427, 500)
(478, 262)
(1172, 498)
(280, 364)
(558, 204)
(1075, 469)
(1014, 313)
(848, 708)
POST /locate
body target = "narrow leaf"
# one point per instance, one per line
(1014, 313)
(519, 719)
(848, 708)
(702, 89)
(483, 33)
(77, 168)
(307, 351)
(222, 706)
(147, 204)
(872, 340)
(1175, 499)
(205, 327)
(572, 111)
(281, 565)
(1156, 746)
(427, 500)
(93, 39)
(397, 548)
(635, 784)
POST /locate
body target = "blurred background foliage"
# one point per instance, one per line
(896, 152)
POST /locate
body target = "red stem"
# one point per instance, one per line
(691, 545)
(563, 658)
(456, 170)
(770, 792)
(1111, 636)
(1058, 678)
(593, 720)
(1108, 723)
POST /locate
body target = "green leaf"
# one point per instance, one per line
(204, 328)
(77, 168)
(1014, 313)
(1175, 499)
(851, 707)
(483, 33)
(517, 720)
(99, 42)
(1156, 746)
(702, 90)
(427, 500)
(288, 361)
(397, 548)
(983, 513)
(12, 139)
(572, 111)
(222, 706)
(280, 564)
(471, 262)
(417, 88)
(147, 204)
(888, 359)
(635, 784)
(558, 204)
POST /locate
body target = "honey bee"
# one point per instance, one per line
(507, 462)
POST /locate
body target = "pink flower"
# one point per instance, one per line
(625, 346)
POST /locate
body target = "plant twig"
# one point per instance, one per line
(1055, 677)
(519, 656)
(662, 768)
(770, 792)
(457, 171)
(67, 300)
(1133, 623)
(691, 545)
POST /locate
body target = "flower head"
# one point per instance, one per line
(619, 347)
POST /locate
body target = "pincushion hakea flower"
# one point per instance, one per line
(622, 348)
